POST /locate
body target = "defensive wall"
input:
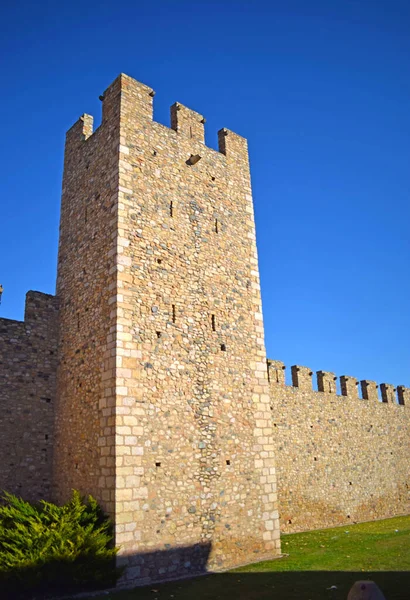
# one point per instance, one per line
(341, 458)
(162, 403)
(28, 362)
(162, 406)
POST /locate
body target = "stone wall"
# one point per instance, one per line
(84, 456)
(163, 407)
(28, 359)
(163, 397)
(195, 460)
(340, 458)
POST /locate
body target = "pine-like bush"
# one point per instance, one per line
(49, 549)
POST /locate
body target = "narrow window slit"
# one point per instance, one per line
(228, 462)
(223, 347)
(171, 209)
(78, 321)
(190, 132)
(216, 226)
(174, 314)
(213, 323)
(86, 215)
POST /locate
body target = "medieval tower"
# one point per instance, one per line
(144, 381)
(162, 406)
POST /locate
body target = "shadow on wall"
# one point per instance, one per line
(181, 561)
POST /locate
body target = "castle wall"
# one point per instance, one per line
(28, 358)
(162, 395)
(194, 455)
(163, 406)
(340, 458)
(195, 461)
(86, 279)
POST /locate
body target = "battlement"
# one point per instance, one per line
(302, 378)
(127, 99)
(145, 384)
(39, 306)
(38, 309)
(157, 264)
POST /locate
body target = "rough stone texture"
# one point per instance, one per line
(28, 360)
(340, 459)
(163, 398)
(164, 405)
(86, 284)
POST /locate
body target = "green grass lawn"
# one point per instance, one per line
(316, 561)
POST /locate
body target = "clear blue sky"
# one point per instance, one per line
(320, 88)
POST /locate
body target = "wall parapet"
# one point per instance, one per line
(302, 377)
(38, 308)
(127, 98)
(276, 371)
(341, 454)
(369, 390)
(403, 394)
(327, 382)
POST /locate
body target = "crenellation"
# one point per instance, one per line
(80, 131)
(340, 459)
(146, 377)
(39, 309)
(302, 378)
(369, 390)
(187, 122)
(128, 98)
(326, 382)
(276, 372)
(388, 393)
(349, 386)
(403, 395)
(233, 146)
(177, 209)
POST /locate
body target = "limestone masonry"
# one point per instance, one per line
(340, 459)
(145, 381)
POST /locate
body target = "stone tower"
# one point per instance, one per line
(162, 408)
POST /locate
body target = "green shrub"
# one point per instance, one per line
(49, 549)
